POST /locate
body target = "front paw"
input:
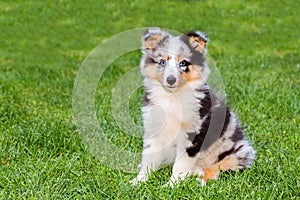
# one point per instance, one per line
(138, 180)
(134, 181)
(169, 184)
(174, 180)
(202, 182)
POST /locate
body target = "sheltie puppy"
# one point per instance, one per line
(184, 122)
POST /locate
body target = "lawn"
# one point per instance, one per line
(255, 46)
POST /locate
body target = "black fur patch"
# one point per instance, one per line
(226, 122)
(214, 112)
(230, 151)
(199, 138)
(205, 103)
(197, 143)
(237, 149)
(209, 102)
(237, 135)
(205, 110)
(187, 69)
(225, 153)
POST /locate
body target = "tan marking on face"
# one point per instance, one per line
(153, 41)
(197, 43)
(165, 58)
(193, 74)
(228, 163)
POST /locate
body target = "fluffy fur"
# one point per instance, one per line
(184, 123)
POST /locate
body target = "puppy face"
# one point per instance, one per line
(174, 61)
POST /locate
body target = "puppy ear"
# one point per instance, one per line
(198, 41)
(152, 38)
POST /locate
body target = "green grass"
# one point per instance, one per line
(256, 47)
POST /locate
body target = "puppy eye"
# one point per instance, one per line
(162, 63)
(184, 63)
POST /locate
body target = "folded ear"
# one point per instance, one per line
(152, 38)
(198, 41)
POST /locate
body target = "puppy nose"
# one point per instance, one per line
(171, 79)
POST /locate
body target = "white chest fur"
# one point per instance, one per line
(171, 112)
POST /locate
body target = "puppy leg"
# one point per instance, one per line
(183, 167)
(151, 161)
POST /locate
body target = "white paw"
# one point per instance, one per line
(174, 180)
(135, 181)
(138, 180)
(199, 172)
(203, 183)
(171, 184)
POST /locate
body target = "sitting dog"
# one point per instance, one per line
(184, 122)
